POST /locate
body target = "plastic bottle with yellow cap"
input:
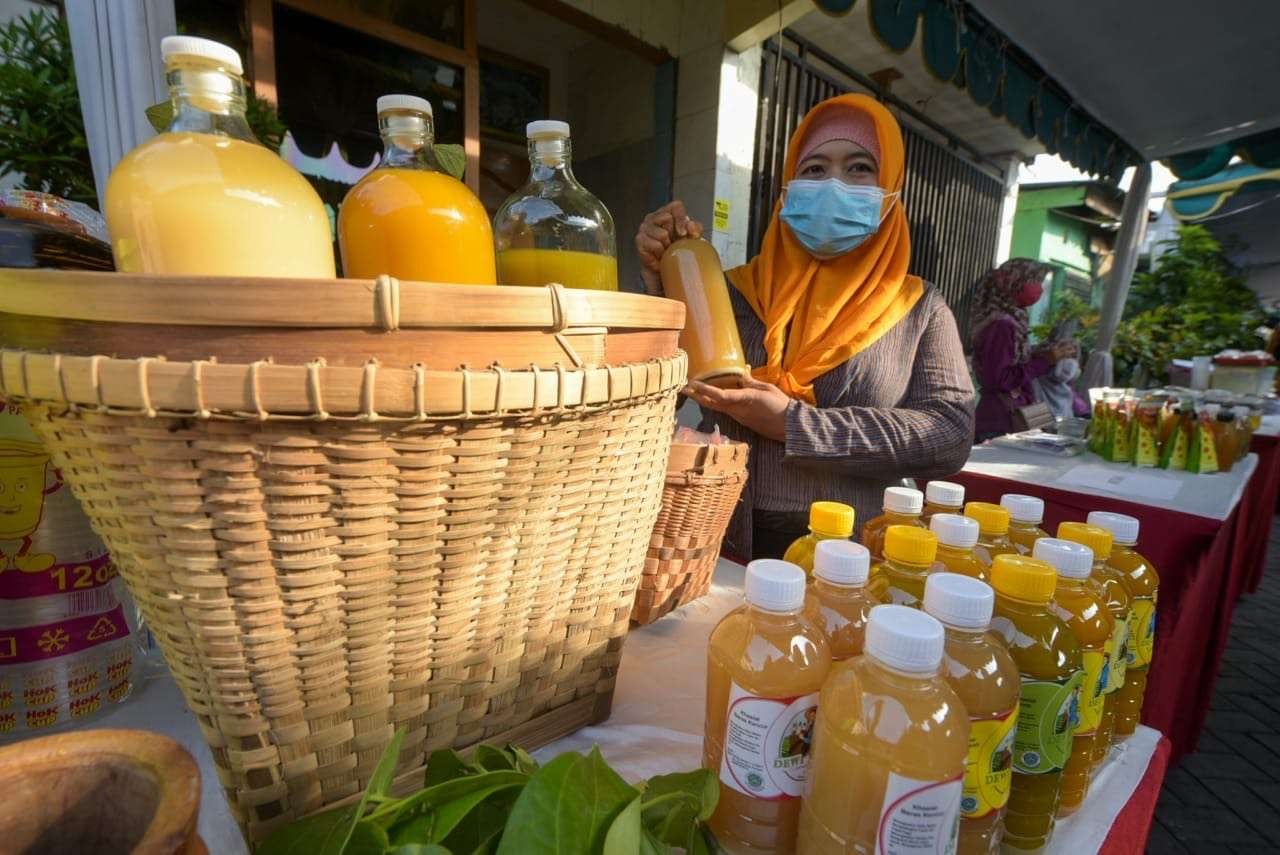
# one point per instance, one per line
(838, 601)
(1051, 668)
(902, 506)
(827, 521)
(993, 530)
(909, 553)
(1120, 604)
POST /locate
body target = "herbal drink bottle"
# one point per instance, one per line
(765, 665)
(1051, 669)
(909, 553)
(827, 521)
(1143, 584)
(1080, 602)
(838, 601)
(902, 506)
(993, 530)
(942, 497)
(1120, 605)
(984, 675)
(957, 535)
(1026, 513)
(889, 748)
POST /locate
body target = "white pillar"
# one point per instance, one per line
(116, 45)
(1008, 209)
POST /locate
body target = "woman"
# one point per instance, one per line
(1002, 357)
(861, 379)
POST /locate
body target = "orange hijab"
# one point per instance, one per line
(817, 314)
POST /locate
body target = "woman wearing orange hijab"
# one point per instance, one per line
(861, 379)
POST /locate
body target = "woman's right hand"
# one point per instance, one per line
(1060, 350)
(657, 232)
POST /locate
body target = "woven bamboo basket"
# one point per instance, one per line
(702, 488)
(365, 534)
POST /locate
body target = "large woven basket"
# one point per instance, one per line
(701, 491)
(360, 535)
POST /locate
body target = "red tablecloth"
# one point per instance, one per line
(1266, 489)
(1128, 835)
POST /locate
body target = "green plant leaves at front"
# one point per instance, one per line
(625, 833)
(451, 158)
(323, 834)
(160, 115)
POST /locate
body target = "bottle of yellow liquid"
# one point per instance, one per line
(553, 229)
(692, 273)
(942, 497)
(1120, 605)
(889, 748)
(205, 198)
(902, 506)
(909, 553)
(409, 218)
(1143, 584)
(985, 677)
(1051, 667)
(827, 521)
(838, 601)
(1079, 601)
(765, 665)
(993, 530)
(1026, 513)
(957, 536)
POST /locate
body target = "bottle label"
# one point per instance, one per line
(766, 744)
(1118, 655)
(988, 767)
(1048, 713)
(919, 817)
(1093, 691)
(1142, 632)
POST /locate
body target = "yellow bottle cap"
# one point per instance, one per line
(831, 518)
(992, 519)
(1095, 537)
(910, 544)
(1028, 579)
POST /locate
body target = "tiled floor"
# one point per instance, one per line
(1226, 796)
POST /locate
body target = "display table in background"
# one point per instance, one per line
(1195, 531)
(1266, 444)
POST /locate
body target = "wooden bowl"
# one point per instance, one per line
(100, 791)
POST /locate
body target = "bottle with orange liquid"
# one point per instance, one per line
(957, 536)
(838, 601)
(765, 665)
(205, 198)
(1143, 584)
(902, 506)
(1079, 601)
(691, 273)
(409, 218)
(993, 530)
(889, 747)
(553, 229)
(909, 553)
(985, 677)
(1026, 513)
(827, 521)
(942, 497)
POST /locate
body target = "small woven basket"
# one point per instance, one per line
(702, 488)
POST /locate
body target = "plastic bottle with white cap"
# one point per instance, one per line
(838, 601)
(765, 664)
(1026, 513)
(889, 725)
(957, 535)
(985, 677)
(942, 497)
(902, 506)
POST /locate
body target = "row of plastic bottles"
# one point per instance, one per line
(977, 732)
(205, 198)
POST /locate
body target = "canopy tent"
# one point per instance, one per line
(1191, 201)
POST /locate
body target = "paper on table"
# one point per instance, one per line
(1131, 484)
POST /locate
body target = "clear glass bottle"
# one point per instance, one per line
(838, 601)
(553, 229)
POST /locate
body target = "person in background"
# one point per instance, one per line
(1003, 360)
(860, 378)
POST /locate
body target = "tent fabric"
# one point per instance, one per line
(1260, 150)
(1194, 200)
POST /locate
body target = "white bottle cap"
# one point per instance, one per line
(945, 493)
(775, 586)
(1072, 560)
(547, 129)
(955, 530)
(1123, 527)
(1023, 509)
(403, 102)
(904, 639)
(959, 601)
(205, 48)
(903, 500)
(841, 562)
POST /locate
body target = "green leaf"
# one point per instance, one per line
(524, 761)
(482, 829)
(445, 765)
(366, 839)
(160, 115)
(414, 830)
(624, 834)
(323, 834)
(452, 159)
(492, 759)
(701, 785)
(419, 849)
(437, 797)
(384, 772)
(451, 813)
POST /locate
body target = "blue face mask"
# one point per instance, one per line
(830, 217)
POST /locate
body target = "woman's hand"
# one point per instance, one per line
(1060, 350)
(762, 407)
(657, 232)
